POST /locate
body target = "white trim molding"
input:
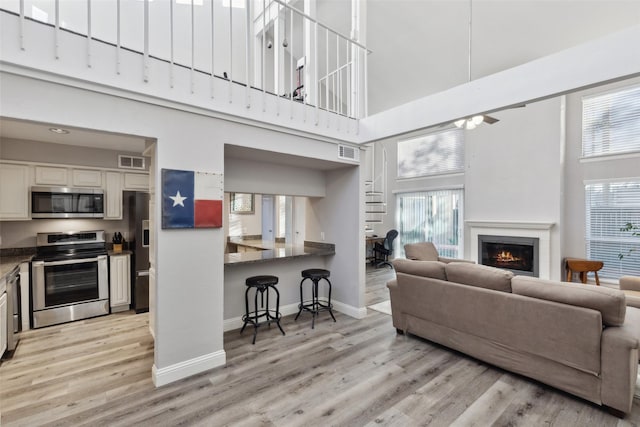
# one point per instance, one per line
(349, 310)
(536, 229)
(178, 371)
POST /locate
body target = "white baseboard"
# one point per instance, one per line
(349, 310)
(357, 313)
(187, 368)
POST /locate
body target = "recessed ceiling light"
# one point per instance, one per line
(59, 131)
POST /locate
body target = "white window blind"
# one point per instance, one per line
(610, 206)
(433, 154)
(434, 216)
(611, 123)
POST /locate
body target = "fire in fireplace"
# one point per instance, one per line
(518, 254)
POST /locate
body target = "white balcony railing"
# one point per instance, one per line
(266, 45)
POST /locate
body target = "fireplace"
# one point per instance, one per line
(518, 254)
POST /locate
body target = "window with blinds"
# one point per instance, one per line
(434, 216)
(610, 206)
(611, 123)
(433, 154)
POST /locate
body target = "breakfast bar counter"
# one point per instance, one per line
(284, 261)
(259, 251)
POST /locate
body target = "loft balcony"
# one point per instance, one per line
(254, 61)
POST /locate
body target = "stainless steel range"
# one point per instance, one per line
(70, 278)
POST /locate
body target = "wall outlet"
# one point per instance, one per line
(322, 236)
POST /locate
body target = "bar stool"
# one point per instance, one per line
(262, 285)
(314, 305)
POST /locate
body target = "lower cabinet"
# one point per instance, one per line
(120, 282)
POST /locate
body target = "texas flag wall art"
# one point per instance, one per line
(191, 199)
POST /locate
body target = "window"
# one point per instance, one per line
(434, 216)
(242, 203)
(610, 206)
(611, 123)
(433, 154)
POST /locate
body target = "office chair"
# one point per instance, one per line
(385, 249)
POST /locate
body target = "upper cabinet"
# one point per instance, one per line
(49, 175)
(17, 178)
(113, 196)
(136, 181)
(14, 191)
(86, 178)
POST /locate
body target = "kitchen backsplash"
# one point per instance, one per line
(22, 234)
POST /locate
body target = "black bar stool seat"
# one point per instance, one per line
(315, 305)
(261, 315)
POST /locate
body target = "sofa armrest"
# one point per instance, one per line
(629, 283)
(448, 260)
(619, 367)
(398, 319)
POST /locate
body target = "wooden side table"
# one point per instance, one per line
(582, 266)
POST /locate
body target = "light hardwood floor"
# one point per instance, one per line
(348, 373)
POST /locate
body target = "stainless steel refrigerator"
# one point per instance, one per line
(139, 245)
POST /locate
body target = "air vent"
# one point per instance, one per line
(130, 162)
(349, 153)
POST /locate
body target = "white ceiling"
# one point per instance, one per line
(32, 131)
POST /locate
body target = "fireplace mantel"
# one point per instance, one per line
(512, 224)
(539, 229)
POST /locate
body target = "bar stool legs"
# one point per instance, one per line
(315, 305)
(262, 285)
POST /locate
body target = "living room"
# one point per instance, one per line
(531, 155)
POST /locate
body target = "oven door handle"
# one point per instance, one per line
(72, 261)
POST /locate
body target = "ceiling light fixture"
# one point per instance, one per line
(59, 131)
(470, 123)
(475, 121)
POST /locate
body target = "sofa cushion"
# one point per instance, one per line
(479, 275)
(432, 269)
(609, 302)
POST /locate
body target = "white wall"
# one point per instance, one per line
(340, 216)
(189, 320)
(424, 47)
(249, 176)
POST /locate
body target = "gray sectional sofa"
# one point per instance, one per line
(578, 338)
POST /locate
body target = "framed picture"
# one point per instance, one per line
(242, 203)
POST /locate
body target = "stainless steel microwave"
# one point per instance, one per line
(65, 202)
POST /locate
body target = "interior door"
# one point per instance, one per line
(268, 218)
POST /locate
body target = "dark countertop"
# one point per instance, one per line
(277, 251)
(8, 263)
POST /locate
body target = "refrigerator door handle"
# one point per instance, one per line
(142, 273)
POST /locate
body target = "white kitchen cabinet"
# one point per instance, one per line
(50, 175)
(86, 178)
(3, 323)
(120, 282)
(136, 181)
(113, 196)
(14, 191)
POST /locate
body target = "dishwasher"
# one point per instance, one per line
(14, 324)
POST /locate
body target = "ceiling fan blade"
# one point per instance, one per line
(490, 120)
